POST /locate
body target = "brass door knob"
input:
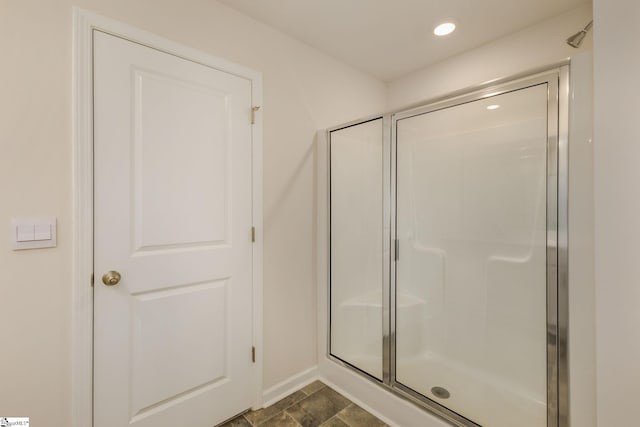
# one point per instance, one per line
(111, 278)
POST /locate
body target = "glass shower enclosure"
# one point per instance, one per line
(448, 241)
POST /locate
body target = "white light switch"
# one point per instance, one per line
(42, 232)
(25, 233)
(32, 233)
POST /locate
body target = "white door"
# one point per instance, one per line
(172, 340)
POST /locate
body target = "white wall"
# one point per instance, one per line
(617, 212)
(301, 87)
(539, 45)
(581, 245)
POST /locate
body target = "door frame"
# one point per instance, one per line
(84, 24)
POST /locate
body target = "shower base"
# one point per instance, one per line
(488, 401)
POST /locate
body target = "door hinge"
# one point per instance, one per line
(253, 113)
(92, 280)
(253, 234)
(397, 249)
(253, 354)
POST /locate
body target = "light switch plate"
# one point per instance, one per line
(33, 233)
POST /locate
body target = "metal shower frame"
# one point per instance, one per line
(556, 78)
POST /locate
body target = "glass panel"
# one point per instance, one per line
(356, 246)
(471, 278)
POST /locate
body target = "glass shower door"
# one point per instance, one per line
(357, 246)
(471, 275)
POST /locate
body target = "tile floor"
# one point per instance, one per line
(313, 406)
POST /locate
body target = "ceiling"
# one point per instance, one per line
(390, 38)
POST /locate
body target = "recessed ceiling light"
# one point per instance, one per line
(493, 107)
(444, 29)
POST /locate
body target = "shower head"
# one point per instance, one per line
(576, 39)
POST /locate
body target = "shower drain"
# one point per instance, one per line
(440, 392)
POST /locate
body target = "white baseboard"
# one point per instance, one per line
(288, 386)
